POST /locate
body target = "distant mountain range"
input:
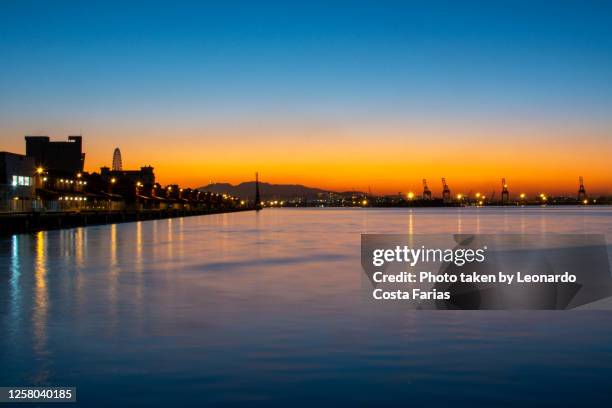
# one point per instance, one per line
(267, 191)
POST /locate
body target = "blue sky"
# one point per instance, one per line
(398, 55)
(108, 66)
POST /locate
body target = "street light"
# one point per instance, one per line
(410, 195)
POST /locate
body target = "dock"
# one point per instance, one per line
(27, 222)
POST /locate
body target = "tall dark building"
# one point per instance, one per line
(57, 157)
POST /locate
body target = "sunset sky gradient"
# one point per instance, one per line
(350, 95)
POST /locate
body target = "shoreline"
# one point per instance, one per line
(25, 223)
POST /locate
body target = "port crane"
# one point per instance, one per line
(446, 193)
(505, 195)
(426, 191)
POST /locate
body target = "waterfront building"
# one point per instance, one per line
(18, 179)
(50, 178)
(145, 175)
(59, 158)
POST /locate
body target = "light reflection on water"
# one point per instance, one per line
(267, 308)
(40, 308)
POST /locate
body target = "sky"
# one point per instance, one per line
(340, 95)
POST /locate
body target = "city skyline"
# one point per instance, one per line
(339, 97)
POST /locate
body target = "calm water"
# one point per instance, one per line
(267, 309)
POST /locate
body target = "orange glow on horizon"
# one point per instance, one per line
(383, 175)
(384, 158)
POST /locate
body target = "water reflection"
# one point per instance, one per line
(113, 269)
(41, 305)
(224, 308)
(170, 236)
(80, 246)
(113, 245)
(543, 223)
(410, 222)
(15, 287)
(139, 269)
(80, 265)
(138, 265)
(410, 227)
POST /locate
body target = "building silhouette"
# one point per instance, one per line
(117, 164)
(145, 175)
(64, 157)
(17, 181)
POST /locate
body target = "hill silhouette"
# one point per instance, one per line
(267, 191)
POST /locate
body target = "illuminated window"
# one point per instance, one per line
(21, 181)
